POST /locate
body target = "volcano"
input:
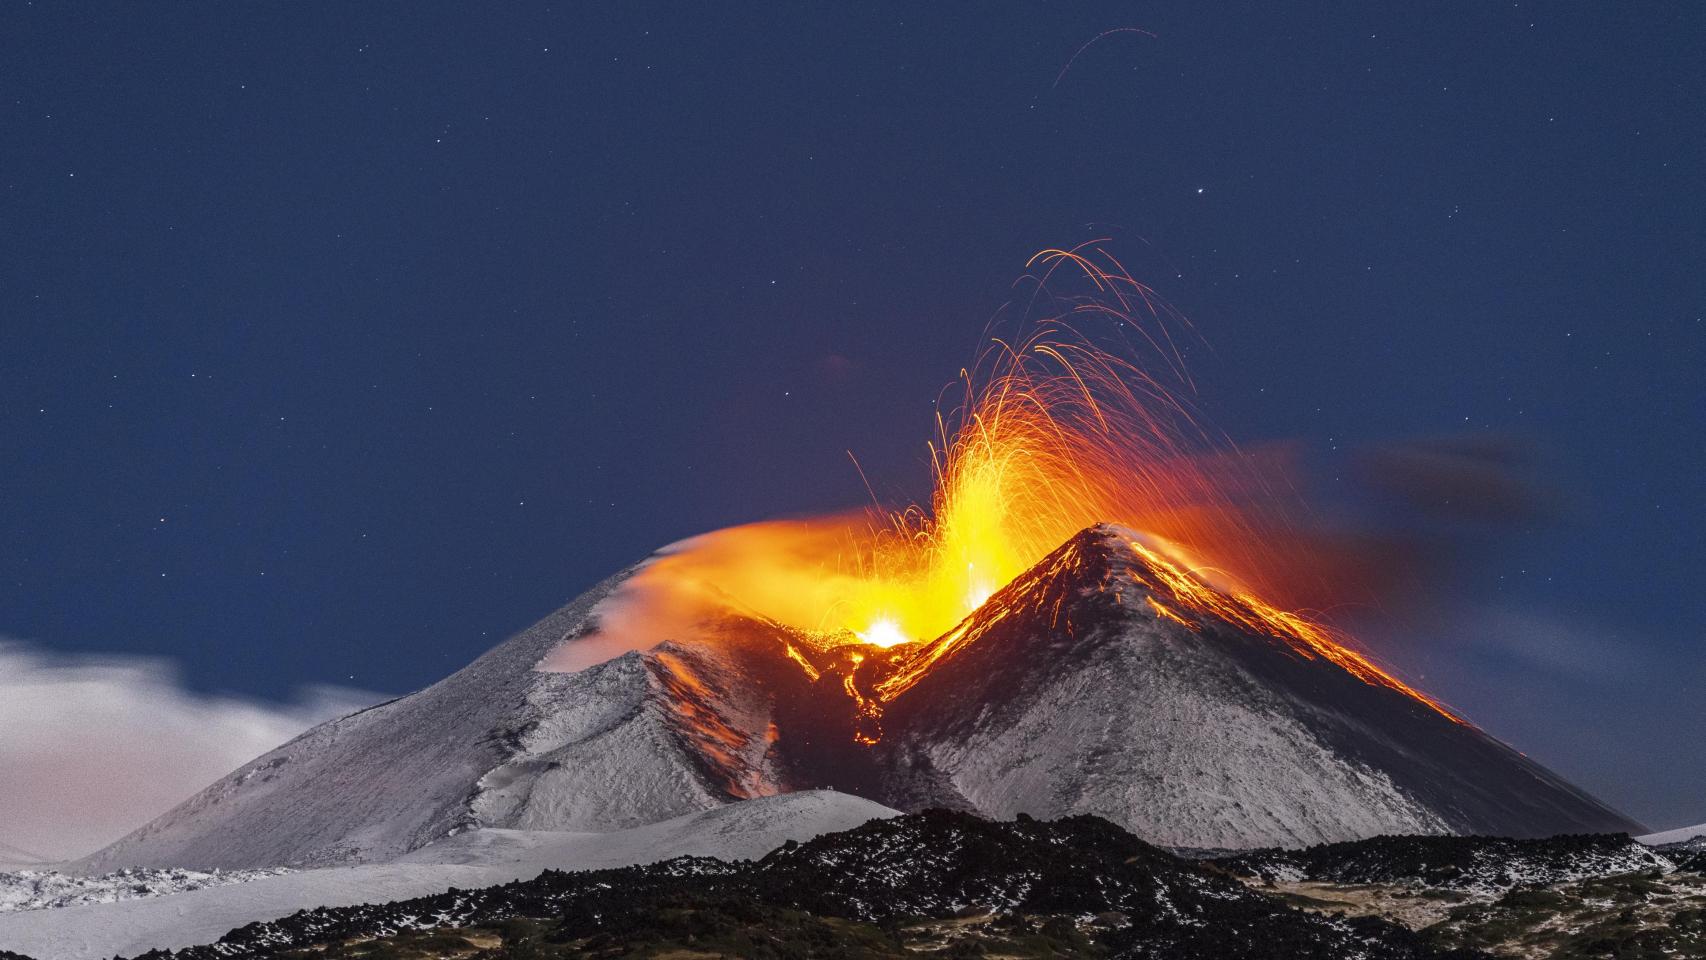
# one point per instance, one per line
(1104, 680)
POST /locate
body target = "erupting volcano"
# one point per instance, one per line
(1083, 420)
(1096, 613)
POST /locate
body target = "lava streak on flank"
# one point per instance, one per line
(1038, 591)
(1117, 562)
(721, 746)
(1305, 636)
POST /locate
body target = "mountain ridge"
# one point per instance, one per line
(1100, 681)
(1302, 750)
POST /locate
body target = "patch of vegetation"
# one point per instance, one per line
(1448, 862)
(722, 927)
(1634, 917)
(1304, 901)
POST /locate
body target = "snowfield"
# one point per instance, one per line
(479, 858)
(46, 889)
(1679, 835)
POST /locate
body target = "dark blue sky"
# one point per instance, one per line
(337, 341)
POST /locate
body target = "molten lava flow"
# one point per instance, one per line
(1023, 596)
(1077, 422)
(1302, 634)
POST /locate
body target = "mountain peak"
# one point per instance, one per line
(1111, 678)
(1148, 578)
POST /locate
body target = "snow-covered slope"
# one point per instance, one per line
(737, 831)
(637, 739)
(1679, 835)
(475, 859)
(50, 889)
(1090, 688)
(1684, 846)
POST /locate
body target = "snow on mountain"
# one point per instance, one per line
(1679, 835)
(1085, 686)
(736, 831)
(1684, 846)
(49, 889)
(1091, 689)
(637, 739)
(473, 859)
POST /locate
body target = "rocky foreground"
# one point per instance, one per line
(951, 884)
(1563, 898)
(939, 883)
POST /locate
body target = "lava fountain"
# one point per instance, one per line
(1082, 418)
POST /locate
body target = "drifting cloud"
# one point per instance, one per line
(1563, 649)
(1475, 478)
(92, 747)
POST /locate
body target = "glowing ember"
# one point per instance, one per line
(884, 633)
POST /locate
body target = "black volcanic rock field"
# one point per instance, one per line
(937, 883)
(951, 884)
(1459, 863)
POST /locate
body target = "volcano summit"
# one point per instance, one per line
(1104, 680)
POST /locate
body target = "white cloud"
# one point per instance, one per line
(1568, 648)
(92, 747)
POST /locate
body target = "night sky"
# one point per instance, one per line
(339, 341)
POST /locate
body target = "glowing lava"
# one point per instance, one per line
(883, 633)
(1079, 421)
